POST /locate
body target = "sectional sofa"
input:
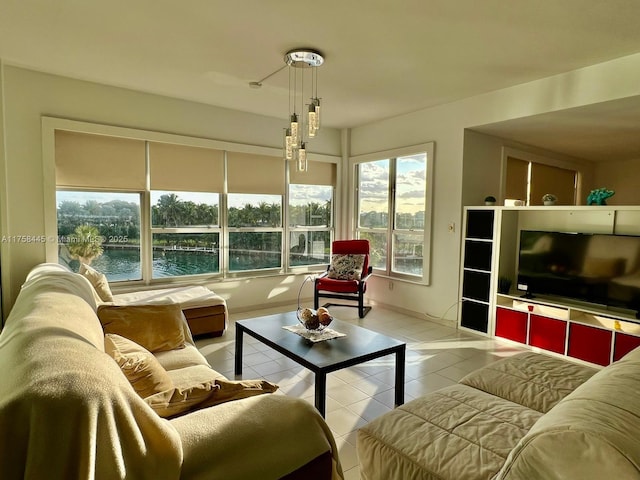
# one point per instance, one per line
(527, 417)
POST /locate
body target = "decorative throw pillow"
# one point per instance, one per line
(99, 282)
(156, 327)
(175, 401)
(230, 390)
(141, 368)
(346, 266)
(206, 394)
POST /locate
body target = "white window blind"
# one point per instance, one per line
(90, 161)
(250, 173)
(185, 169)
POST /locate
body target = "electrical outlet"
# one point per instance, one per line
(452, 227)
(390, 285)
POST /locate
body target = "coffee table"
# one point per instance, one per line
(358, 346)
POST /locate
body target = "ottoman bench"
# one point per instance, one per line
(205, 311)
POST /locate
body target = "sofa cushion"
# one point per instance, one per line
(99, 282)
(155, 327)
(591, 434)
(531, 379)
(457, 432)
(141, 368)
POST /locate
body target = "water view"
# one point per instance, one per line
(124, 264)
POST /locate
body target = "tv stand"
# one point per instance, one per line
(586, 332)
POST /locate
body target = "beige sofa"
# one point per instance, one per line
(527, 417)
(69, 411)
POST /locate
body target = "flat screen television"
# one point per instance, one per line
(595, 268)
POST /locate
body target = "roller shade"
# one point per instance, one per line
(547, 179)
(248, 173)
(185, 169)
(517, 178)
(99, 161)
(318, 173)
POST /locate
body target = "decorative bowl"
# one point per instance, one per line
(312, 320)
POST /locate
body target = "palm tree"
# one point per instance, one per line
(85, 243)
(169, 209)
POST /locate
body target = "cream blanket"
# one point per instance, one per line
(68, 412)
(54, 378)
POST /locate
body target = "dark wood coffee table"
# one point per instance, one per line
(358, 346)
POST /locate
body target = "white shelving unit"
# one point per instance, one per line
(578, 330)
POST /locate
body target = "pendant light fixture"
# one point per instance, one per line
(303, 123)
(302, 61)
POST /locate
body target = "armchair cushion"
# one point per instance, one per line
(346, 266)
(340, 286)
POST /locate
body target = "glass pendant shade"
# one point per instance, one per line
(302, 158)
(312, 120)
(295, 131)
(316, 105)
(288, 144)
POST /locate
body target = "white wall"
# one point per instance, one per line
(29, 95)
(623, 177)
(445, 125)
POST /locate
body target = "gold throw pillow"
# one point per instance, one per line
(156, 327)
(141, 368)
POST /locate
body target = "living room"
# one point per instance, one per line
(469, 131)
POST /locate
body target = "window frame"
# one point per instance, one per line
(390, 231)
(330, 229)
(228, 230)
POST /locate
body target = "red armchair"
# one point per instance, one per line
(346, 277)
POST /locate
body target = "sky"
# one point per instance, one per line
(410, 189)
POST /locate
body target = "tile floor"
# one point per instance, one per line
(437, 356)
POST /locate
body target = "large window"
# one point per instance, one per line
(172, 209)
(393, 212)
(101, 229)
(311, 214)
(185, 234)
(255, 231)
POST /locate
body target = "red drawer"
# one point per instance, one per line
(547, 333)
(590, 344)
(511, 324)
(624, 343)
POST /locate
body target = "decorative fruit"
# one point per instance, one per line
(313, 323)
(307, 314)
(324, 317)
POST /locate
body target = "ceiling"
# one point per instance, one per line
(383, 58)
